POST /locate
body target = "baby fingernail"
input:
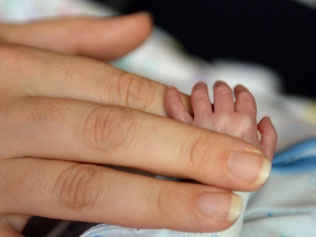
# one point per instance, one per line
(220, 206)
(249, 166)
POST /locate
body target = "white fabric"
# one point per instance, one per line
(285, 206)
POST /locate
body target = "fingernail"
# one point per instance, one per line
(220, 206)
(251, 167)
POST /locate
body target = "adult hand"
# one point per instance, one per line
(63, 116)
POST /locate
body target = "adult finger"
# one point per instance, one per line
(102, 38)
(35, 72)
(94, 133)
(73, 191)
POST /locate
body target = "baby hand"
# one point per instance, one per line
(237, 119)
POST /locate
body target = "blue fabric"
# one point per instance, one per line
(300, 157)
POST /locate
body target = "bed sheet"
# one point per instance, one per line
(285, 206)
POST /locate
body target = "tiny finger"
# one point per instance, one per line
(245, 102)
(174, 106)
(201, 105)
(223, 98)
(268, 137)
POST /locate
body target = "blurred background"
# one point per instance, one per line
(279, 34)
(269, 46)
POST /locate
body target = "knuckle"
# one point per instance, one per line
(78, 186)
(106, 128)
(164, 201)
(197, 154)
(134, 91)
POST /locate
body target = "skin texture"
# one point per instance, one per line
(235, 118)
(64, 116)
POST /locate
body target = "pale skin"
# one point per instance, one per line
(235, 118)
(62, 116)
